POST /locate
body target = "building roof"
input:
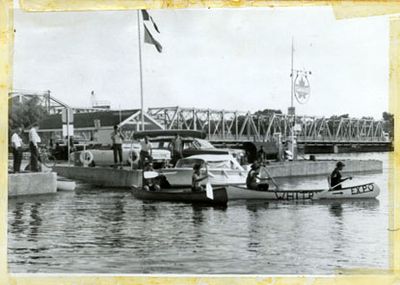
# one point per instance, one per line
(86, 120)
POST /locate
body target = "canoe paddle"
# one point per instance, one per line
(272, 179)
(209, 189)
(150, 174)
(340, 183)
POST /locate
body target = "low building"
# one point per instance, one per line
(96, 127)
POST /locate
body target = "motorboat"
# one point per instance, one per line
(222, 169)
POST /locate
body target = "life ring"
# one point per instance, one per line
(133, 157)
(86, 157)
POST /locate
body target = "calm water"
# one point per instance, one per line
(108, 231)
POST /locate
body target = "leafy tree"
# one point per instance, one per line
(388, 124)
(25, 113)
(267, 112)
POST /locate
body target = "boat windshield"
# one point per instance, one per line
(202, 144)
(224, 164)
(188, 163)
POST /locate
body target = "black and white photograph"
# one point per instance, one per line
(242, 141)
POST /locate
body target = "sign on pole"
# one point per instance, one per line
(302, 88)
(67, 116)
(67, 131)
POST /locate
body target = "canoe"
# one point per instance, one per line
(369, 190)
(182, 195)
(64, 184)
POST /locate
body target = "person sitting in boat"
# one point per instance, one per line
(253, 180)
(150, 184)
(336, 177)
(197, 178)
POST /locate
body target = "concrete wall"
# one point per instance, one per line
(307, 168)
(101, 176)
(32, 183)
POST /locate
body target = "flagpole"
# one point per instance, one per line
(291, 75)
(141, 72)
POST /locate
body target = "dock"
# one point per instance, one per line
(101, 176)
(304, 168)
(33, 183)
(125, 178)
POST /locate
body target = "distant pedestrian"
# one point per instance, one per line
(16, 142)
(261, 155)
(336, 177)
(71, 144)
(117, 138)
(34, 140)
(145, 151)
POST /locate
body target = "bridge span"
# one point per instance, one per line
(230, 127)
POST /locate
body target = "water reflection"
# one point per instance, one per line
(35, 223)
(198, 216)
(336, 209)
(356, 204)
(18, 213)
(256, 206)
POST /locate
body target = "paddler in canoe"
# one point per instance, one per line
(254, 181)
(197, 178)
(150, 183)
(336, 179)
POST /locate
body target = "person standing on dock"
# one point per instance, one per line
(336, 177)
(34, 140)
(16, 143)
(145, 151)
(177, 148)
(117, 138)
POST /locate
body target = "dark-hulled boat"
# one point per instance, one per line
(185, 195)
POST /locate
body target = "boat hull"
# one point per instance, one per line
(183, 195)
(369, 190)
(65, 184)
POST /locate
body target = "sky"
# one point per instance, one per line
(236, 59)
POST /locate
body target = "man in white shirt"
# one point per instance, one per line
(16, 143)
(145, 152)
(34, 140)
(117, 139)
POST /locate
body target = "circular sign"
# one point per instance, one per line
(302, 88)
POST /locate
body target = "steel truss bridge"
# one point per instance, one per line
(223, 125)
(51, 104)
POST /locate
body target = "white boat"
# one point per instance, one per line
(369, 190)
(222, 169)
(65, 184)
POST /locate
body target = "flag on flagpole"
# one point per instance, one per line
(147, 17)
(148, 38)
